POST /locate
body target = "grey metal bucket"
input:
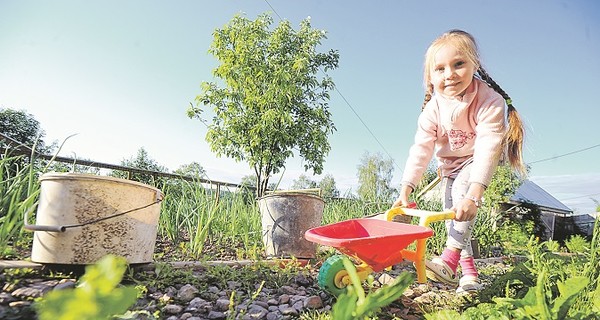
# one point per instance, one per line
(286, 216)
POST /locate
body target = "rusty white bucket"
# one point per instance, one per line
(286, 216)
(81, 218)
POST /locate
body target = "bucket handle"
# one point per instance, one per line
(33, 227)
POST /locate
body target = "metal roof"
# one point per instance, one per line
(529, 192)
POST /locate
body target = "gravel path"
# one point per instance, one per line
(183, 300)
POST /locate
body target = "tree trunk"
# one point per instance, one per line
(261, 185)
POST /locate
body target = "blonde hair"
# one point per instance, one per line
(465, 43)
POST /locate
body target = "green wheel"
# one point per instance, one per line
(331, 273)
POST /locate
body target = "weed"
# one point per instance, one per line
(577, 244)
(163, 276)
(355, 304)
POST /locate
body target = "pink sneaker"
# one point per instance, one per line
(438, 270)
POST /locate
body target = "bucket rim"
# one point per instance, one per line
(291, 193)
(86, 176)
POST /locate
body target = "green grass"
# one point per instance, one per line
(18, 194)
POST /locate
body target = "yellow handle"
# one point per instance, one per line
(426, 217)
(391, 213)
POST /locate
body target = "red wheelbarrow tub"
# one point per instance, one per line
(378, 243)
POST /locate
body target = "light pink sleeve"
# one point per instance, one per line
(421, 151)
(488, 147)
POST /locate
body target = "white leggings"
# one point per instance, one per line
(459, 232)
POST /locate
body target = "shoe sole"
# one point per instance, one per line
(469, 288)
(433, 276)
(438, 271)
(470, 292)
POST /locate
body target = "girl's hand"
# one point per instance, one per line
(466, 210)
(402, 200)
(400, 203)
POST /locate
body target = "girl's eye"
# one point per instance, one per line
(439, 69)
(460, 63)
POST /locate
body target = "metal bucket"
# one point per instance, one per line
(286, 216)
(81, 218)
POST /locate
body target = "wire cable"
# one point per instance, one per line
(369, 130)
(275, 11)
(586, 196)
(565, 154)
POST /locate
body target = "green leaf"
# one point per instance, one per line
(355, 305)
(386, 294)
(344, 307)
(568, 291)
(443, 315)
(97, 297)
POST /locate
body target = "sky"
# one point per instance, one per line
(117, 76)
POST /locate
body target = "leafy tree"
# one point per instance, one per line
(141, 161)
(177, 188)
(22, 127)
(304, 182)
(328, 187)
(193, 169)
(503, 185)
(374, 178)
(272, 102)
(248, 187)
(73, 167)
(249, 181)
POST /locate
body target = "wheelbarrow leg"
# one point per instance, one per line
(420, 260)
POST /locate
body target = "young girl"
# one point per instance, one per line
(464, 123)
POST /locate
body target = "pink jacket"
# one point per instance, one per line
(458, 130)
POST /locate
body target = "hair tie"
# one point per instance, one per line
(509, 102)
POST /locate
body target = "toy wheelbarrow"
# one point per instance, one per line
(375, 243)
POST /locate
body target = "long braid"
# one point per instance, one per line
(513, 139)
(428, 94)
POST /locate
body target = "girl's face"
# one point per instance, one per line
(452, 72)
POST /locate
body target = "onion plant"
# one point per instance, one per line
(18, 194)
(199, 213)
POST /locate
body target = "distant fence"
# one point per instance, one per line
(18, 148)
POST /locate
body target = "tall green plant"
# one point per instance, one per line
(590, 296)
(18, 194)
(503, 185)
(196, 214)
(337, 210)
(538, 303)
